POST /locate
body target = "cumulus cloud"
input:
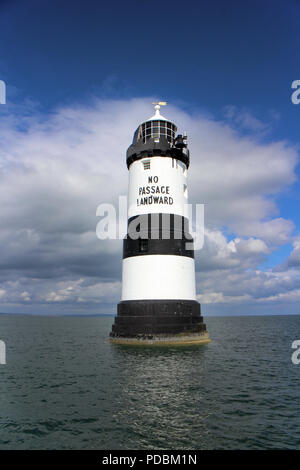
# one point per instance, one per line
(292, 263)
(294, 258)
(56, 169)
(245, 120)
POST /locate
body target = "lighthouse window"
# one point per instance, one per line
(154, 129)
(146, 165)
(143, 245)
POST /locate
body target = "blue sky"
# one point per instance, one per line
(205, 54)
(229, 63)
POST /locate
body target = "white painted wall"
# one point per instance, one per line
(158, 277)
(171, 173)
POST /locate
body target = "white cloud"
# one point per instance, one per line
(294, 258)
(25, 296)
(55, 170)
(220, 298)
(245, 120)
(90, 292)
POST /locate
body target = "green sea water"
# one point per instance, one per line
(66, 387)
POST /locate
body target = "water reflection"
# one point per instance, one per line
(160, 386)
(66, 387)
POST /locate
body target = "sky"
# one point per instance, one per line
(80, 76)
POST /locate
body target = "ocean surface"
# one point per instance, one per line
(66, 387)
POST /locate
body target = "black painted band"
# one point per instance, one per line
(166, 225)
(151, 148)
(159, 307)
(142, 247)
(158, 234)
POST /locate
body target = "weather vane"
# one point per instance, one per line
(157, 106)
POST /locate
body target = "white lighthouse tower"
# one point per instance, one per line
(158, 304)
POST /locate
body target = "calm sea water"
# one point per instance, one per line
(66, 387)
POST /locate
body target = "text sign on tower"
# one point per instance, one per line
(154, 193)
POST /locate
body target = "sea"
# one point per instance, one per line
(65, 386)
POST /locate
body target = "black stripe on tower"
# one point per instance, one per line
(158, 234)
(154, 148)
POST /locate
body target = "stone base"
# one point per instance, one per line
(159, 322)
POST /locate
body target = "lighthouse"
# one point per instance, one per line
(158, 304)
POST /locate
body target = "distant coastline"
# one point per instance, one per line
(112, 315)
